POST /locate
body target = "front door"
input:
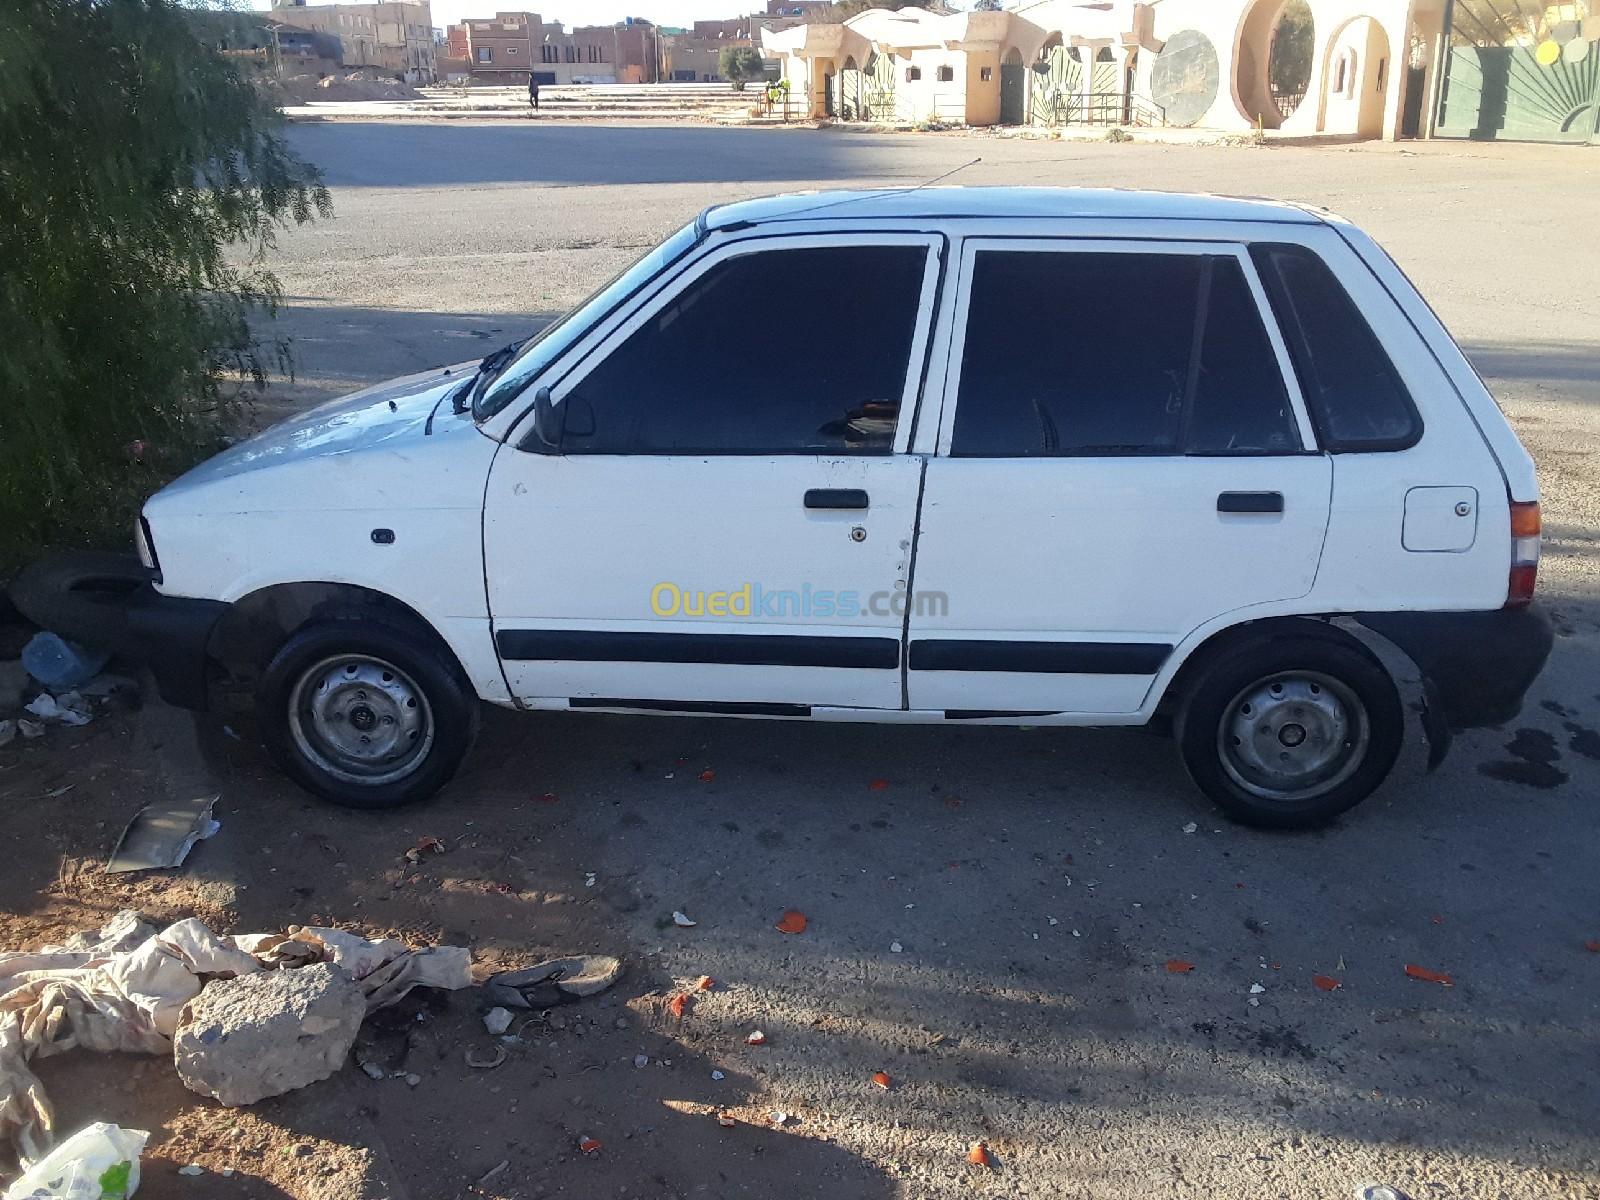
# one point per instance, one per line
(728, 517)
(1125, 460)
(1013, 86)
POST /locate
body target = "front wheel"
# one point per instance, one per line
(1288, 733)
(365, 714)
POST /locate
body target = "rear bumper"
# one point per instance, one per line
(109, 601)
(1477, 665)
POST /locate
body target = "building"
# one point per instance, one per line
(1333, 68)
(394, 37)
(509, 47)
(693, 55)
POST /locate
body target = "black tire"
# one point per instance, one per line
(341, 689)
(1282, 699)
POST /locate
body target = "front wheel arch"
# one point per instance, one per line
(259, 622)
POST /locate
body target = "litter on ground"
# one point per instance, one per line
(160, 836)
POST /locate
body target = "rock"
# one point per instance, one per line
(497, 1020)
(242, 1040)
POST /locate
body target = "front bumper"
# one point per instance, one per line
(1477, 665)
(109, 601)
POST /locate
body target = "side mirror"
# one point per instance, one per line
(547, 419)
(578, 420)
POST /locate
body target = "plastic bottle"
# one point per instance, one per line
(60, 664)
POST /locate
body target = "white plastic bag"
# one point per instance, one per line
(99, 1162)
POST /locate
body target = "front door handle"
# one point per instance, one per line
(1250, 502)
(836, 498)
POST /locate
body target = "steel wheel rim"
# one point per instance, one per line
(361, 719)
(1293, 735)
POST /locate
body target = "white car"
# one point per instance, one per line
(944, 455)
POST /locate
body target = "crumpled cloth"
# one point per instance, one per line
(124, 988)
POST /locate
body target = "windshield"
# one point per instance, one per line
(550, 341)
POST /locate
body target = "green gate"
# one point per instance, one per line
(1053, 83)
(1055, 90)
(880, 88)
(1522, 71)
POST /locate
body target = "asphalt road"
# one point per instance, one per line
(1037, 882)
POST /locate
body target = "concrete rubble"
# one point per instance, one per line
(243, 1040)
(130, 987)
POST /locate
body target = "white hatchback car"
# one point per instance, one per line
(992, 456)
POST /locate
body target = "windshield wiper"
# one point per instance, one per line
(491, 366)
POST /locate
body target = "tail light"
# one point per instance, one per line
(1524, 553)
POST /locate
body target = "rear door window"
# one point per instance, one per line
(1355, 396)
(1091, 353)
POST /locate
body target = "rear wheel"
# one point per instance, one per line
(1289, 733)
(366, 714)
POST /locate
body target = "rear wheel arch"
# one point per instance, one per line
(1233, 639)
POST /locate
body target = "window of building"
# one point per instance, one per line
(986, 74)
(913, 74)
(697, 377)
(946, 74)
(485, 54)
(511, 49)
(1170, 357)
(1356, 397)
(547, 53)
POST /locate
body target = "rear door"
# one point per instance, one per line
(1123, 456)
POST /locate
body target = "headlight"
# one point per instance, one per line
(145, 545)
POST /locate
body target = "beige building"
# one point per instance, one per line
(395, 37)
(1363, 68)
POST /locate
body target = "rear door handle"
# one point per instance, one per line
(1250, 502)
(836, 498)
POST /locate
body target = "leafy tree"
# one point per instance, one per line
(1293, 44)
(142, 179)
(843, 10)
(740, 63)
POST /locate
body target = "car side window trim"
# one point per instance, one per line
(971, 247)
(567, 372)
(1296, 338)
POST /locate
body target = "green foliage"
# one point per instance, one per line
(740, 63)
(142, 180)
(843, 10)
(1293, 44)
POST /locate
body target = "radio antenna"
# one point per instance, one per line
(880, 192)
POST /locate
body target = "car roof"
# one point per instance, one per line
(1003, 202)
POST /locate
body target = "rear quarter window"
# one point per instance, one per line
(1355, 396)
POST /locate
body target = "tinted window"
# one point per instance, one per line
(1101, 354)
(776, 352)
(1356, 399)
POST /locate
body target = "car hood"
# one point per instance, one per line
(382, 431)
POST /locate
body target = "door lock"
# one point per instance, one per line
(858, 533)
(1463, 509)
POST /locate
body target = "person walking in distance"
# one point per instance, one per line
(533, 92)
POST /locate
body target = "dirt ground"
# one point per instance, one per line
(991, 912)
